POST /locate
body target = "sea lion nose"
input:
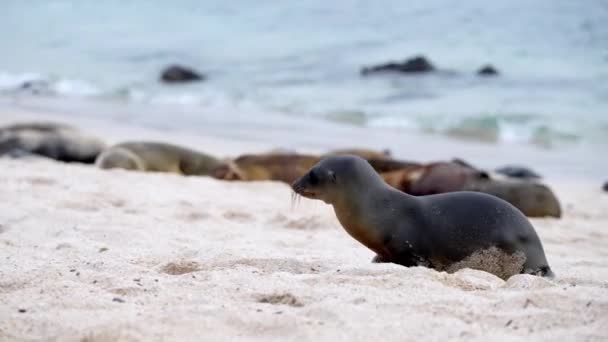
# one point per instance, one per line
(297, 185)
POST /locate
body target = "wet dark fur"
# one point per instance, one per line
(436, 231)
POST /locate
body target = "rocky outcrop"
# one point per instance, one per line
(417, 64)
(178, 73)
(487, 70)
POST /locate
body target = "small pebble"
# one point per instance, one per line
(118, 300)
(22, 311)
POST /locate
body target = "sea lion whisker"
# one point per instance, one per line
(295, 199)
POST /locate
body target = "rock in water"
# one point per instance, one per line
(417, 64)
(487, 70)
(178, 73)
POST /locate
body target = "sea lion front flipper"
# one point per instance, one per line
(378, 259)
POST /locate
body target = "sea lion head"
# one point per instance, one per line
(228, 170)
(335, 178)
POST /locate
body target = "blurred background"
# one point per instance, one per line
(265, 60)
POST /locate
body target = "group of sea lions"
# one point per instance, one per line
(529, 195)
(516, 185)
(413, 214)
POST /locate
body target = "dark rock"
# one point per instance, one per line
(36, 87)
(417, 64)
(487, 70)
(178, 73)
(605, 187)
(22, 310)
(118, 300)
(516, 171)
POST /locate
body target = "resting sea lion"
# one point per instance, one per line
(285, 167)
(381, 161)
(445, 231)
(532, 198)
(516, 171)
(51, 140)
(361, 152)
(157, 157)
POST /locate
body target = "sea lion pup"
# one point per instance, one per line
(445, 231)
(278, 166)
(157, 157)
(51, 140)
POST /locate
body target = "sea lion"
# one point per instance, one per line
(533, 198)
(51, 140)
(157, 157)
(285, 167)
(517, 171)
(445, 231)
(433, 178)
(381, 161)
(361, 152)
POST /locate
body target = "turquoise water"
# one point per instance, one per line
(303, 59)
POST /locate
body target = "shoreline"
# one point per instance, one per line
(232, 133)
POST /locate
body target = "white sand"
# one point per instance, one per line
(197, 259)
(122, 256)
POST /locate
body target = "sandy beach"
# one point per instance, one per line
(462, 92)
(93, 255)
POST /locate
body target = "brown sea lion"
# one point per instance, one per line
(157, 157)
(532, 198)
(52, 140)
(445, 231)
(381, 161)
(285, 167)
(361, 152)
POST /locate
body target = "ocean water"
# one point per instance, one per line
(302, 59)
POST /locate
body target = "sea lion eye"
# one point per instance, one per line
(332, 176)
